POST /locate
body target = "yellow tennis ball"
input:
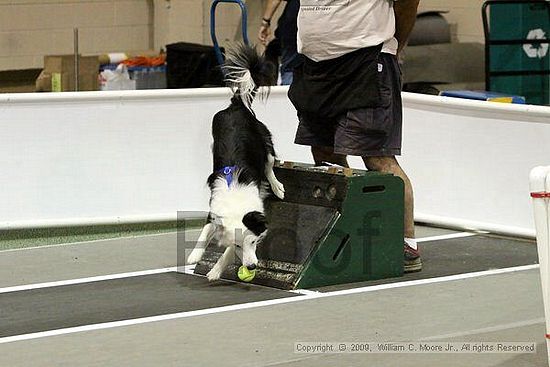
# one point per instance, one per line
(246, 275)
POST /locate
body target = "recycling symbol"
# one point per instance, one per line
(536, 50)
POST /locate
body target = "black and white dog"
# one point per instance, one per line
(243, 161)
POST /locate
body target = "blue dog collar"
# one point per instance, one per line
(228, 172)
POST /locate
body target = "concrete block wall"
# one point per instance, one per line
(30, 29)
(178, 20)
(189, 21)
(464, 17)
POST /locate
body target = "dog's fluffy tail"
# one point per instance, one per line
(246, 71)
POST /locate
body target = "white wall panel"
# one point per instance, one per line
(143, 155)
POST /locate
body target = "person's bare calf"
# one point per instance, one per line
(380, 164)
(412, 261)
(326, 154)
(390, 165)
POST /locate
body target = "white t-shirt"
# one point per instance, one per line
(331, 28)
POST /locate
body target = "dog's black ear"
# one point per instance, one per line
(255, 222)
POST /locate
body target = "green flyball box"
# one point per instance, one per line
(334, 226)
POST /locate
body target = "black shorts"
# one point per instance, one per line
(373, 131)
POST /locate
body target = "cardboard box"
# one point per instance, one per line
(58, 74)
(18, 81)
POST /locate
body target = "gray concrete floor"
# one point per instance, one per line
(491, 308)
(79, 260)
(425, 231)
(111, 256)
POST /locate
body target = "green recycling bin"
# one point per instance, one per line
(517, 49)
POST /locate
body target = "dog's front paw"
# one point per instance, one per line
(278, 189)
(195, 256)
(215, 273)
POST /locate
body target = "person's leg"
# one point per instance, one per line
(326, 154)
(390, 165)
(318, 134)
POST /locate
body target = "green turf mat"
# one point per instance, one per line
(31, 237)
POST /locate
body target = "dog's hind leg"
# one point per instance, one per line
(204, 239)
(227, 257)
(276, 186)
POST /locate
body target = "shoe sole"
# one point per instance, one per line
(413, 267)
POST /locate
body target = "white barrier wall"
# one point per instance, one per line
(469, 161)
(75, 158)
(101, 157)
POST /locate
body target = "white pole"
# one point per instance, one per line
(539, 182)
